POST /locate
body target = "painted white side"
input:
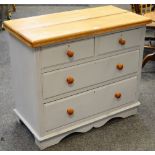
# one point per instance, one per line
(141, 48)
(25, 79)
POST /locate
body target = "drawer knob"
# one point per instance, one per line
(119, 66)
(118, 95)
(70, 111)
(122, 41)
(70, 53)
(70, 80)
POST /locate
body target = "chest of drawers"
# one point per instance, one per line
(75, 70)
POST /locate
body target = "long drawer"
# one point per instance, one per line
(77, 107)
(88, 74)
(118, 41)
(67, 52)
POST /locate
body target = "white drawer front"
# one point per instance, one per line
(108, 43)
(58, 54)
(54, 83)
(89, 103)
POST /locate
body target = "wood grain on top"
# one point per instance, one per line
(151, 15)
(58, 27)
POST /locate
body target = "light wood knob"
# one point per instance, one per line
(70, 111)
(118, 95)
(119, 66)
(122, 41)
(70, 80)
(70, 53)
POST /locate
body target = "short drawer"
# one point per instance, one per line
(74, 108)
(88, 74)
(118, 41)
(67, 53)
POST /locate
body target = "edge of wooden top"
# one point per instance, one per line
(80, 35)
(69, 37)
(22, 39)
(150, 15)
(86, 34)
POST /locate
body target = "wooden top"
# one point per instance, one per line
(58, 27)
(151, 15)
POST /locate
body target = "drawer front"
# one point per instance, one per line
(118, 41)
(74, 108)
(80, 76)
(67, 53)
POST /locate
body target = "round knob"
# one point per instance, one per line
(118, 95)
(122, 41)
(119, 66)
(70, 53)
(70, 111)
(70, 80)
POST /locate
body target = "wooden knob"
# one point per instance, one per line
(70, 111)
(122, 41)
(70, 80)
(119, 66)
(70, 53)
(118, 95)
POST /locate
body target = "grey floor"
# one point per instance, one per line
(133, 133)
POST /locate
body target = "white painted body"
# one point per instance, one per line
(42, 95)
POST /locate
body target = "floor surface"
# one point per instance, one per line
(133, 133)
